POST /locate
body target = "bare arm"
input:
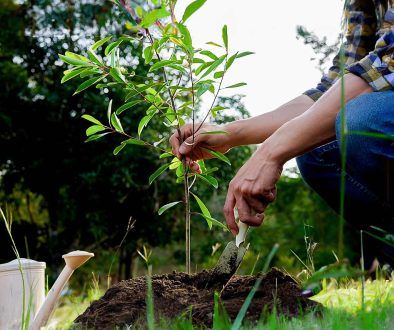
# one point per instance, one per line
(316, 125)
(257, 129)
(242, 132)
(255, 183)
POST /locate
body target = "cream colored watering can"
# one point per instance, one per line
(40, 307)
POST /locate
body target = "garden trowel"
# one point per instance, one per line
(232, 255)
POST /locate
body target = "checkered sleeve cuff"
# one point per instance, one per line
(374, 71)
(313, 93)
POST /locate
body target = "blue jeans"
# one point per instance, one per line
(369, 174)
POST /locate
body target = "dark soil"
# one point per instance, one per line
(124, 303)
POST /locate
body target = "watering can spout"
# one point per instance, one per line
(73, 260)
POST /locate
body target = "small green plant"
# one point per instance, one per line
(179, 76)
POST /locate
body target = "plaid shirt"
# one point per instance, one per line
(368, 46)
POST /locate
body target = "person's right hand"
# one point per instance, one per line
(193, 150)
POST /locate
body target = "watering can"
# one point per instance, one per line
(38, 307)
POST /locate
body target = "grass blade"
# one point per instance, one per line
(242, 312)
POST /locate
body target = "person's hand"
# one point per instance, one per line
(252, 189)
(193, 149)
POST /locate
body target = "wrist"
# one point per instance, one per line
(273, 151)
(236, 133)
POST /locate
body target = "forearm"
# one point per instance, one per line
(315, 126)
(257, 129)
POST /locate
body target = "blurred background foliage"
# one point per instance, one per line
(66, 194)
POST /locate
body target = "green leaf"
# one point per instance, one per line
(134, 141)
(94, 57)
(95, 137)
(209, 54)
(91, 119)
(94, 129)
(112, 59)
(180, 171)
(203, 87)
(175, 163)
(213, 66)
(236, 85)
(214, 44)
(214, 110)
(231, 60)
(99, 43)
(109, 111)
(111, 47)
(127, 105)
(202, 67)
(89, 72)
(209, 179)
(71, 74)
(161, 64)
(242, 54)
(225, 37)
(74, 61)
(166, 155)
(187, 39)
(213, 132)
(116, 123)
(212, 221)
(119, 148)
(117, 75)
(76, 57)
(167, 206)
(203, 208)
(177, 67)
(148, 54)
(218, 74)
(192, 8)
(154, 16)
(139, 11)
(158, 172)
(218, 155)
(142, 124)
(86, 84)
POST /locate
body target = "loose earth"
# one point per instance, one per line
(124, 303)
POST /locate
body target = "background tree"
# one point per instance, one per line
(67, 194)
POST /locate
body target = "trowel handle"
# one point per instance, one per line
(242, 230)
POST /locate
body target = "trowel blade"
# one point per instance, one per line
(230, 259)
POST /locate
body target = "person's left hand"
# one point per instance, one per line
(252, 189)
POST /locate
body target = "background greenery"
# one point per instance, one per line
(66, 194)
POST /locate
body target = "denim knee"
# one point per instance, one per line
(372, 112)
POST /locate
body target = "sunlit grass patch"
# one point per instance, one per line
(349, 297)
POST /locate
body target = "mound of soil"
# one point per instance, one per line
(124, 303)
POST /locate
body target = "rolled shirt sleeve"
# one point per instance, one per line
(360, 28)
(377, 68)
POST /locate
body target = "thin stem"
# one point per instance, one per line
(184, 164)
(187, 224)
(214, 99)
(131, 137)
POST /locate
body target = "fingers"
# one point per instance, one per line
(194, 167)
(188, 145)
(228, 211)
(256, 203)
(247, 214)
(174, 141)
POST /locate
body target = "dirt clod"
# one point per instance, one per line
(174, 293)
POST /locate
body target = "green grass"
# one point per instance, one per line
(342, 310)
